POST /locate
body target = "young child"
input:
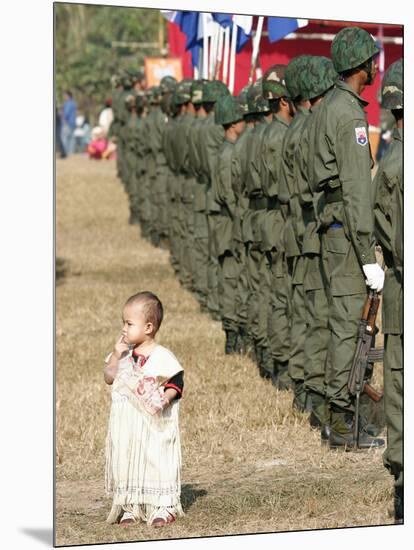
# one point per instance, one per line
(143, 454)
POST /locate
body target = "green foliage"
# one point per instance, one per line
(86, 56)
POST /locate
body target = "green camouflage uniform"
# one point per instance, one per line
(200, 248)
(340, 165)
(292, 245)
(227, 111)
(388, 209)
(317, 78)
(256, 260)
(211, 138)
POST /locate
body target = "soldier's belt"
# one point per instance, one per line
(273, 203)
(258, 203)
(333, 194)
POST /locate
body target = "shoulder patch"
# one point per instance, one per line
(361, 135)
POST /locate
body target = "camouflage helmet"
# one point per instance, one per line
(213, 89)
(129, 100)
(227, 110)
(182, 92)
(197, 92)
(292, 74)
(351, 47)
(392, 92)
(242, 99)
(168, 84)
(256, 103)
(155, 95)
(126, 81)
(317, 77)
(273, 82)
(135, 75)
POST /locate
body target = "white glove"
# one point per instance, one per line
(374, 276)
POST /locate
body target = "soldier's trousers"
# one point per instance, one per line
(200, 256)
(228, 272)
(346, 296)
(317, 327)
(259, 293)
(393, 395)
(298, 320)
(187, 243)
(144, 204)
(279, 308)
(174, 234)
(212, 267)
(242, 289)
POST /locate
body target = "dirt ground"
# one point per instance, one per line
(250, 464)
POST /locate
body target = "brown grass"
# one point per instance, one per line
(250, 464)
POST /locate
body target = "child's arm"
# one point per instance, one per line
(111, 365)
(170, 394)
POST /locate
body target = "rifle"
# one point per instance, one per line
(365, 355)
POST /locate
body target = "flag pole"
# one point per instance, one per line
(226, 54)
(205, 56)
(255, 51)
(219, 53)
(213, 51)
(233, 58)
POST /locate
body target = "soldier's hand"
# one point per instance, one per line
(374, 276)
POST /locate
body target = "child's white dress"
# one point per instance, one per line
(143, 453)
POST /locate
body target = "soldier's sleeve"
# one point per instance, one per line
(354, 170)
(272, 154)
(214, 139)
(284, 174)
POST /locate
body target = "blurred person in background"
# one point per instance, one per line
(58, 132)
(99, 147)
(82, 134)
(106, 117)
(69, 122)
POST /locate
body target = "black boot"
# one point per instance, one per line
(231, 342)
(399, 504)
(342, 432)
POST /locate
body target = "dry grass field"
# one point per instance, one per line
(250, 464)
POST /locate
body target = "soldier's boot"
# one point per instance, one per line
(341, 434)
(284, 381)
(231, 342)
(249, 345)
(258, 354)
(241, 342)
(319, 416)
(300, 403)
(399, 505)
(266, 365)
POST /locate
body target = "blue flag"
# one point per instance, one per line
(279, 27)
(224, 19)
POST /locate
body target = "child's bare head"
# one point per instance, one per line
(150, 306)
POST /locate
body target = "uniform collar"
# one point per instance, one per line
(281, 120)
(347, 88)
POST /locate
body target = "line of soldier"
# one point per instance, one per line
(267, 205)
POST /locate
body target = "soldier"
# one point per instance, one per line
(256, 260)
(211, 137)
(130, 156)
(228, 114)
(316, 80)
(200, 249)
(155, 125)
(244, 343)
(275, 91)
(388, 209)
(185, 181)
(167, 87)
(290, 208)
(340, 165)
